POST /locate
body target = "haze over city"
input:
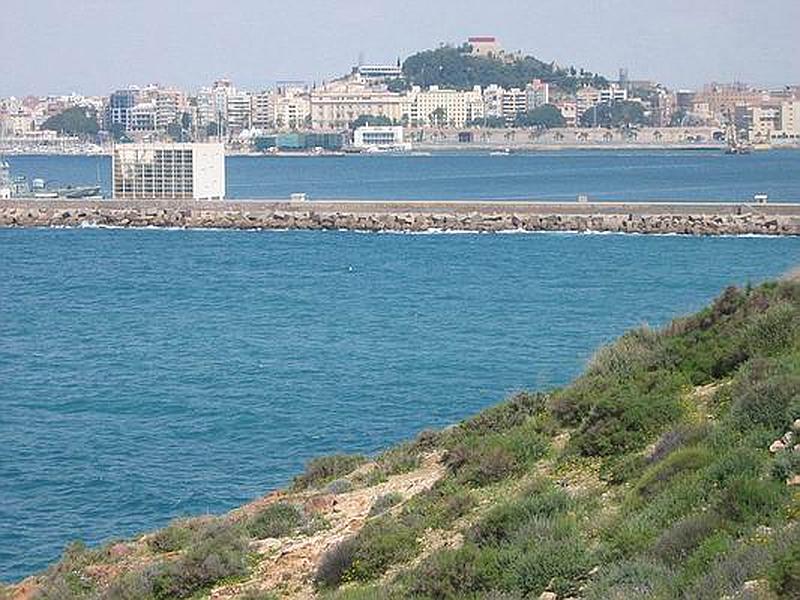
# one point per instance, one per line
(94, 46)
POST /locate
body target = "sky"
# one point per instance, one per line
(95, 46)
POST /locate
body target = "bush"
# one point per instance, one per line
(762, 394)
(439, 506)
(177, 534)
(773, 331)
(323, 469)
(366, 556)
(450, 574)
(681, 461)
(402, 459)
(552, 556)
(625, 418)
(221, 551)
(677, 542)
(384, 503)
(637, 350)
(786, 465)
(680, 436)
(134, 585)
(751, 500)
(784, 574)
(275, 520)
(502, 522)
(632, 580)
(335, 563)
(339, 486)
(506, 415)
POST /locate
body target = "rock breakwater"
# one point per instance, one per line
(644, 218)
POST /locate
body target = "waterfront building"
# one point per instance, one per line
(164, 171)
(382, 137)
(120, 104)
(340, 103)
(238, 112)
(588, 97)
(537, 93)
(444, 107)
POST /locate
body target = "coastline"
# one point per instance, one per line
(709, 218)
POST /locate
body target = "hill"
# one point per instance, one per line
(456, 68)
(668, 469)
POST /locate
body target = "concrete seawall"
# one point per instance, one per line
(483, 216)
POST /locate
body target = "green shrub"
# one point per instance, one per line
(773, 331)
(751, 500)
(678, 437)
(637, 579)
(177, 534)
(506, 415)
(384, 503)
(636, 351)
(275, 520)
(323, 469)
(680, 540)
(366, 556)
(737, 462)
(503, 521)
(439, 506)
(552, 556)
(784, 573)
(681, 461)
(762, 394)
(401, 459)
(139, 584)
(786, 465)
(220, 552)
(335, 563)
(626, 418)
(450, 574)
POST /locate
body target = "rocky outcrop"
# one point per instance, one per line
(409, 217)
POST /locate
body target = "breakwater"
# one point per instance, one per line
(400, 216)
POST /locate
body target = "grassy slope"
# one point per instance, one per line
(650, 476)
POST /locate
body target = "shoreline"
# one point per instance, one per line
(403, 216)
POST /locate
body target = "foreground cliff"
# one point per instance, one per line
(669, 469)
(402, 216)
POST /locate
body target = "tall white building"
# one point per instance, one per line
(169, 171)
(439, 107)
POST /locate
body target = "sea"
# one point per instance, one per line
(150, 374)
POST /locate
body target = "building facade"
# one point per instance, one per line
(168, 171)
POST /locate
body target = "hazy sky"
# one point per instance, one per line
(93, 46)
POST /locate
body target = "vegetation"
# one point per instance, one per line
(655, 474)
(374, 120)
(543, 117)
(76, 121)
(456, 68)
(614, 114)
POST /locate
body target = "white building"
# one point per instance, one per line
(340, 103)
(169, 171)
(382, 137)
(445, 108)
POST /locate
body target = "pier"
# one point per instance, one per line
(689, 218)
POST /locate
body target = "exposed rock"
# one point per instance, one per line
(548, 596)
(777, 446)
(794, 480)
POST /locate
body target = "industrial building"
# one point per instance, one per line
(164, 171)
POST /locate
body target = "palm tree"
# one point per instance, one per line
(608, 136)
(657, 135)
(582, 136)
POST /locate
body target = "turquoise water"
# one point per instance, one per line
(147, 374)
(603, 175)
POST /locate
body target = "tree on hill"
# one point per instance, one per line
(545, 117)
(74, 121)
(374, 120)
(614, 114)
(457, 69)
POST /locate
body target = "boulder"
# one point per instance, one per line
(777, 446)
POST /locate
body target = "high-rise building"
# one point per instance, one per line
(120, 104)
(169, 171)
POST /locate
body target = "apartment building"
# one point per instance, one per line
(441, 107)
(340, 103)
(165, 171)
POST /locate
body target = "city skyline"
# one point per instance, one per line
(102, 46)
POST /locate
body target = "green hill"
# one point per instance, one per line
(668, 469)
(455, 68)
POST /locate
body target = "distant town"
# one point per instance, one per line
(472, 95)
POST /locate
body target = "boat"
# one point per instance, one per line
(19, 187)
(503, 152)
